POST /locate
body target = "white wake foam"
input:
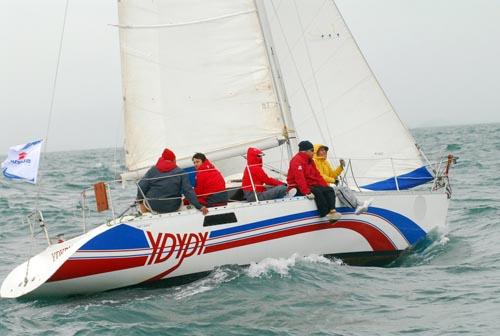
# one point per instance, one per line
(444, 240)
(214, 280)
(282, 266)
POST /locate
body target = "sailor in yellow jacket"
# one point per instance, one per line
(330, 175)
(327, 172)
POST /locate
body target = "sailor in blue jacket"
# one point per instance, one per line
(163, 184)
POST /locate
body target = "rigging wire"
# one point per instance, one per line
(315, 80)
(311, 22)
(322, 65)
(115, 152)
(44, 148)
(298, 74)
(407, 131)
(51, 108)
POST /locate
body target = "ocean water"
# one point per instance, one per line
(448, 285)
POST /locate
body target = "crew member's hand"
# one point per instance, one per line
(142, 207)
(310, 196)
(342, 162)
(204, 210)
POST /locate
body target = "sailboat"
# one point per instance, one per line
(218, 77)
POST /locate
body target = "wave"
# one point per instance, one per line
(482, 210)
(453, 147)
(215, 279)
(433, 246)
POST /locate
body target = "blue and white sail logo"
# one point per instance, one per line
(22, 162)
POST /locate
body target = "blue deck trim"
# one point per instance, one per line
(406, 181)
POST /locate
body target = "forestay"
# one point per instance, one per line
(196, 77)
(335, 98)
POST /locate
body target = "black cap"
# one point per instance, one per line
(305, 145)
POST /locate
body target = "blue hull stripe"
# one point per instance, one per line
(408, 228)
(262, 224)
(121, 237)
(406, 181)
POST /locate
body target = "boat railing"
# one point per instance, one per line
(120, 199)
(119, 206)
(439, 170)
(128, 205)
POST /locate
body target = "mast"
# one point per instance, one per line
(276, 75)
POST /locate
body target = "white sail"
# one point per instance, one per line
(335, 98)
(196, 78)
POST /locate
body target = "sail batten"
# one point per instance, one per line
(169, 25)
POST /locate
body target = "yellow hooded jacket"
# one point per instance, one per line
(324, 167)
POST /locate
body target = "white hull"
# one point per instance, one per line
(149, 248)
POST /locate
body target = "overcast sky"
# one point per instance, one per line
(438, 61)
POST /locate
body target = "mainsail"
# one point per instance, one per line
(335, 98)
(196, 78)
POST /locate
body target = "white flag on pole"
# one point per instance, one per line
(22, 162)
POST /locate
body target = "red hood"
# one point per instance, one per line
(206, 165)
(253, 157)
(166, 162)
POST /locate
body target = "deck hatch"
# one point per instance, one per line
(219, 219)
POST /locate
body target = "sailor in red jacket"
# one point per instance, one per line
(210, 187)
(304, 175)
(255, 176)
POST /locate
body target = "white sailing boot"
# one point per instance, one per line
(363, 207)
(291, 193)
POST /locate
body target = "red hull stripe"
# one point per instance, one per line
(268, 236)
(75, 268)
(377, 240)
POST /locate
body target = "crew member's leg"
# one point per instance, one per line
(273, 193)
(321, 202)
